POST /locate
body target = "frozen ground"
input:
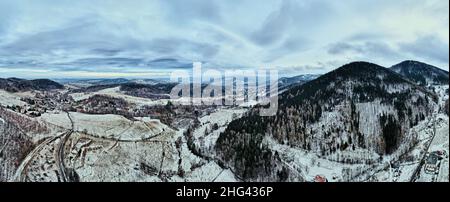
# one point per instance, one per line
(107, 126)
(309, 165)
(439, 143)
(105, 160)
(206, 138)
(113, 148)
(205, 134)
(10, 99)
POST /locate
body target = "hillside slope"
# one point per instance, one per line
(357, 107)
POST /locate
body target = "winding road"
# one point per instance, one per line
(21, 172)
(20, 175)
(60, 157)
(416, 173)
(60, 152)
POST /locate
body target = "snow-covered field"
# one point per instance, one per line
(205, 134)
(206, 173)
(439, 143)
(441, 140)
(206, 138)
(106, 160)
(108, 126)
(310, 165)
(443, 173)
(10, 99)
(441, 92)
(116, 93)
(114, 148)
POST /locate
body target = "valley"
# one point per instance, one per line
(358, 123)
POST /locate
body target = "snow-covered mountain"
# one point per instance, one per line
(421, 73)
(351, 124)
(358, 107)
(18, 85)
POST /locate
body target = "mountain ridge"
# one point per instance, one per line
(421, 73)
(17, 85)
(359, 106)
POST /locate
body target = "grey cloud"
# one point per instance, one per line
(275, 24)
(105, 52)
(428, 47)
(19, 63)
(105, 48)
(365, 36)
(292, 17)
(114, 63)
(175, 46)
(342, 47)
(124, 36)
(290, 45)
(310, 68)
(119, 62)
(169, 63)
(182, 10)
(6, 12)
(82, 34)
(368, 49)
(295, 43)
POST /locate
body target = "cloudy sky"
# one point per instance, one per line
(149, 38)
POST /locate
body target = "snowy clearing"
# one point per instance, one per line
(108, 126)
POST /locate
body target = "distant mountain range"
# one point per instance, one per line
(418, 72)
(114, 81)
(288, 82)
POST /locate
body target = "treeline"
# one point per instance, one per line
(23, 123)
(14, 146)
